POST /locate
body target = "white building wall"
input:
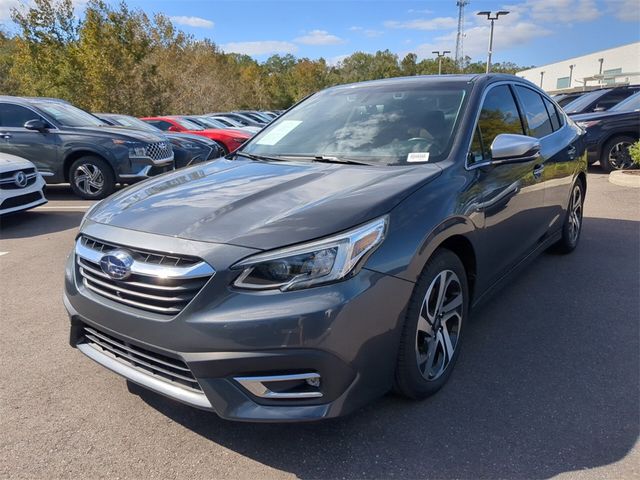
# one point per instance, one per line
(555, 77)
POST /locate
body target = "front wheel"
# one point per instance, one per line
(91, 178)
(616, 155)
(432, 332)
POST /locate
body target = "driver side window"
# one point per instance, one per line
(499, 114)
(15, 116)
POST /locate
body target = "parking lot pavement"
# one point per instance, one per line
(547, 382)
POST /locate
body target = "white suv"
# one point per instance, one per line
(21, 186)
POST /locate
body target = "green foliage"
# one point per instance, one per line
(118, 59)
(634, 151)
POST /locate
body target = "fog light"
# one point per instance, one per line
(314, 382)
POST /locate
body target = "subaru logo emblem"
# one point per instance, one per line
(20, 179)
(117, 264)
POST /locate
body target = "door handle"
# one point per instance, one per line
(571, 151)
(537, 170)
(5, 135)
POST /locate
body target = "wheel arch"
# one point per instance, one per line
(611, 136)
(76, 154)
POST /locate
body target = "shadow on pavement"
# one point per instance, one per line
(37, 222)
(547, 382)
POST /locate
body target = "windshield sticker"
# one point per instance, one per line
(278, 132)
(415, 157)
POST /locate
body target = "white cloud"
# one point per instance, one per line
(438, 23)
(5, 8)
(196, 22)
(319, 37)
(334, 61)
(624, 10)
(367, 32)
(424, 11)
(507, 35)
(267, 47)
(561, 10)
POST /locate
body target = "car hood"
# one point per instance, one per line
(586, 117)
(261, 205)
(12, 162)
(125, 133)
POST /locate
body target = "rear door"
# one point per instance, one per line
(41, 148)
(512, 195)
(558, 151)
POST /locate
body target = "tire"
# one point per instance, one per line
(615, 153)
(425, 361)
(91, 178)
(572, 226)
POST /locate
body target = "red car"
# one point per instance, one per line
(228, 139)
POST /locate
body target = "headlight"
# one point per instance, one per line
(239, 140)
(136, 149)
(314, 263)
(587, 124)
(191, 146)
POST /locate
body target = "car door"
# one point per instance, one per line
(558, 150)
(41, 148)
(512, 193)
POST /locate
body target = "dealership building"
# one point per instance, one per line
(614, 66)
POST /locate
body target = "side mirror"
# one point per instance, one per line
(36, 124)
(173, 128)
(513, 148)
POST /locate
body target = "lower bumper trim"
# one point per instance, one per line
(194, 399)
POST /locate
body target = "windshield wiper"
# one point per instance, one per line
(323, 159)
(257, 157)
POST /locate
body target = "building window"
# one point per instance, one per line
(562, 82)
(610, 75)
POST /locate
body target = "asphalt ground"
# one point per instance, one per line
(547, 382)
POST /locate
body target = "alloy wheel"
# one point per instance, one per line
(575, 213)
(439, 325)
(89, 179)
(619, 156)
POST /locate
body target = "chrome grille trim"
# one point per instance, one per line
(150, 363)
(164, 287)
(159, 151)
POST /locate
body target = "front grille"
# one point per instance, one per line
(159, 151)
(160, 283)
(20, 200)
(8, 182)
(151, 363)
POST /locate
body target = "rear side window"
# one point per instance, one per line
(499, 114)
(15, 116)
(535, 112)
(161, 124)
(556, 122)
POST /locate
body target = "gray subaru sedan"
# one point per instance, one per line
(336, 255)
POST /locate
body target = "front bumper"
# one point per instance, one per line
(18, 200)
(143, 168)
(342, 332)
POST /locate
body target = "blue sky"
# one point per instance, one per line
(534, 33)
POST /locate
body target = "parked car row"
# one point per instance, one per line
(95, 152)
(611, 118)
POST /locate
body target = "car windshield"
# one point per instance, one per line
(211, 123)
(228, 122)
(583, 101)
(69, 116)
(384, 124)
(133, 122)
(628, 105)
(189, 125)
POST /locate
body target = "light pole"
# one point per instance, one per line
(571, 75)
(440, 55)
(492, 18)
(541, 77)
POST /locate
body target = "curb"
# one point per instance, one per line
(619, 177)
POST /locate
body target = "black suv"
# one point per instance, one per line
(599, 100)
(70, 145)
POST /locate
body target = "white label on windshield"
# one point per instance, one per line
(278, 132)
(418, 157)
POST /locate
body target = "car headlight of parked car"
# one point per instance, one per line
(322, 261)
(136, 149)
(587, 124)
